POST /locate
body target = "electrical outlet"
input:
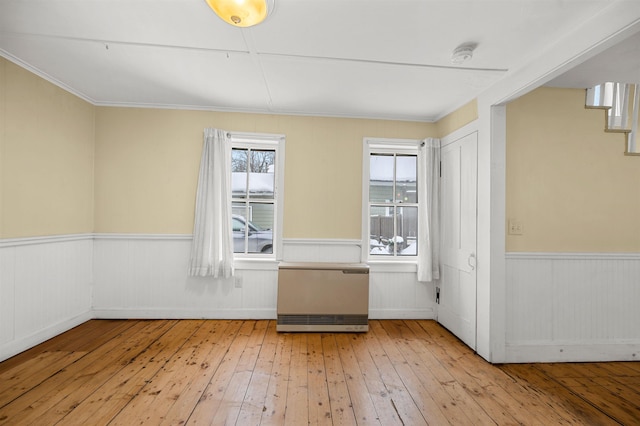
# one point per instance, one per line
(515, 227)
(237, 281)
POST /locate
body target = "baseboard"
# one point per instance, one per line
(570, 256)
(427, 313)
(20, 345)
(241, 314)
(184, 313)
(572, 352)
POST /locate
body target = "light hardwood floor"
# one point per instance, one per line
(245, 373)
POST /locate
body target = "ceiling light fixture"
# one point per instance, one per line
(463, 53)
(241, 13)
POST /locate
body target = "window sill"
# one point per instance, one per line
(392, 266)
(256, 264)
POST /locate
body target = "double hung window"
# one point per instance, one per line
(256, 179)
(391, 199)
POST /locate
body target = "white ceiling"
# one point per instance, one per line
(620, 63)
(347, 58)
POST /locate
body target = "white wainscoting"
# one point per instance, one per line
(572, 307)
(322, 250)
(45, 289)
(144, 276)
(399, 295)
(51, 284)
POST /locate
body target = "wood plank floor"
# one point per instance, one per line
(126, 372)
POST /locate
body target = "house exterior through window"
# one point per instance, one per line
(256, 166)
(391, 199)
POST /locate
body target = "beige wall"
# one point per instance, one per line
(46, 157)
(147, 164)
(457, 119)
(568, 181)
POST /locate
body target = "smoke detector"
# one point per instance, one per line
(463, 53)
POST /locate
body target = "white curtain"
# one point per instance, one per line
(212, 247)
(429, 218)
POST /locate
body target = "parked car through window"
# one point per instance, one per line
(257, 240)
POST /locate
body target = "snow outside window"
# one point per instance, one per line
(392, 200)
(255, 165)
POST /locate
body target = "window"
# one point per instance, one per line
(256, 182)
(390, 202)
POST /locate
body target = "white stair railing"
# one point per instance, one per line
(632, 147)
(622, 103)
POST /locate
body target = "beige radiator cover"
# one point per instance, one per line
(322, 289)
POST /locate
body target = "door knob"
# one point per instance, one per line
(472, 261)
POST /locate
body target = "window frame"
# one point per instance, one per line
(383, 146)
(265, 141)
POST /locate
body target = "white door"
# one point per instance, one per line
(457, 308)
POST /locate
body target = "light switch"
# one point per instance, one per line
(515, 227)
